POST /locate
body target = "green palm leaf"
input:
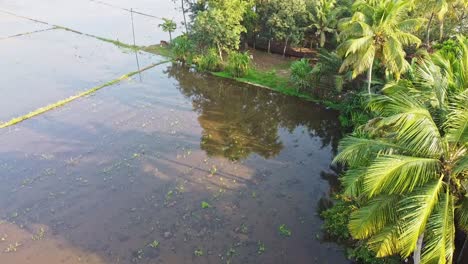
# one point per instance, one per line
(415, 210)
(439, 242)
(462, 214)
(412, 123)
(457, 121)
(370, 219)
(386, 242)
(396, 174)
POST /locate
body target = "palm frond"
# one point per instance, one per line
(456, 124)
(356, 151)
(415, 211)
(439, 243)
(386, 242)
(396, 174)
(411, 121)
(461, 166)
(352, 181)
(462, 214)
(375, 215)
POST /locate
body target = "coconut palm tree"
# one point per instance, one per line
(168, 26)
(324, 18)
(408, 168)
(378, 30)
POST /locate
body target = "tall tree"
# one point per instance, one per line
(408, 169)
(168, 26)
(324, 17)
(378, 30)
(220, 24)
(287, 22)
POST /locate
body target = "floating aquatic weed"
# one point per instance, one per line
(154, 244)
(12, 247)
(39, 235)
(198, 252)
(244, 229)
(284, 231)
(231, 252)
(205, 205)
(261, 248)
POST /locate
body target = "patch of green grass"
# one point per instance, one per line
(267, 79)
(271, 80)
(120, 44)
(159, 50)
(205, 205)
(284, 231)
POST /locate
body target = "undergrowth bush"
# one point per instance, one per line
(209, 61)
(335, 221)
(335, 225)
(182, 48)
(238, 64)
(301, 73)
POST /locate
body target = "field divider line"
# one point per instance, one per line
(115, 42)
(74, 97)
(28, 33)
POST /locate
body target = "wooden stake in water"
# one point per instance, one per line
(134, 42)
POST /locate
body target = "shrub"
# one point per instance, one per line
(182, 48)
(209, 61)
(448, 46)
(336, 226)
(300, 73)
(335, 221)
(238, 64)
(362, 254)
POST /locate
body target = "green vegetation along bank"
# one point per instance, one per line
(397, 70)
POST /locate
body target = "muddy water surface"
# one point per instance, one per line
(169, 167)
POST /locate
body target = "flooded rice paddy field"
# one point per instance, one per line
(170, 166)
(104, 18)
(44, 67)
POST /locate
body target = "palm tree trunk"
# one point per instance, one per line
(441, 30)
(185, 20)
(369, 78)
(255, 40)
(285, 46)
(322, 39)
(220, 51)
(170, 36)
(428, 40)
(417, 251)
(269, 45)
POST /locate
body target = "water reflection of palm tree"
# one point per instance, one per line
(238, 120)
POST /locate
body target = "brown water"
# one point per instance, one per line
(102, 178)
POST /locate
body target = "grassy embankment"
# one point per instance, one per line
(268, 79)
